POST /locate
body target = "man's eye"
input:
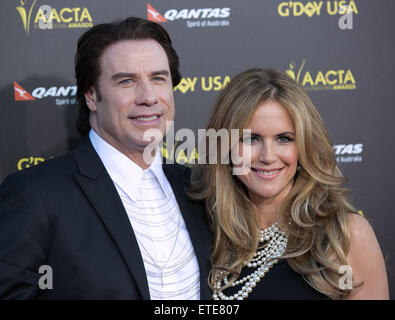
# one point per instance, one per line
(158, 79)
(126, 81)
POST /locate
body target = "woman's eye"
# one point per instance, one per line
(285, 139)
(249, 139)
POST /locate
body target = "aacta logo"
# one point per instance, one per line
(25, 15)
(154, 15)
(21, 94)
(333, 79)
(47, 17)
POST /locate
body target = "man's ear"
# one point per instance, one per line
(91, 98)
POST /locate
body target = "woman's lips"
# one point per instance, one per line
(268, 174)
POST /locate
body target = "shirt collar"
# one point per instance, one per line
(123, 171)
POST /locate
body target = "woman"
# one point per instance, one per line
(284, 228)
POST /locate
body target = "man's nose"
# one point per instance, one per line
(146, 94)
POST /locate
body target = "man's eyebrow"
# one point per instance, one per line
(160, 73)
(122, 75)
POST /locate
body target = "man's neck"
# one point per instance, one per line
(142, 156)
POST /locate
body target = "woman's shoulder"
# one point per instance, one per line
(363, 238)
(366, 260)
(359, 227)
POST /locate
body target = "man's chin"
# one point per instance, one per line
(152, 136)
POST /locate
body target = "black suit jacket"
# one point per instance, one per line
(66, 213)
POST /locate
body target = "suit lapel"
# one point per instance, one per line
(193, 215)
(102, 194)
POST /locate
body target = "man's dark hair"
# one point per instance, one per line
(93, 43)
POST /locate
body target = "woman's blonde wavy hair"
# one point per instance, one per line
(315, 212)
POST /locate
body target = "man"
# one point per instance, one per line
(101, 222)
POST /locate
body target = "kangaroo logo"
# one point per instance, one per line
(21, 94)
(154, 15)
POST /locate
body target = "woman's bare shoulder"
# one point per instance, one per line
(366, 261)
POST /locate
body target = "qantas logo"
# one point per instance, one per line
(192, 15)
(21, 94)
(65, 95)
(348, 152)
(154, 15)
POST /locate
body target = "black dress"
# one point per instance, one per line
(280, 283)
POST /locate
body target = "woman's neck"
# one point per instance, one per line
(267, 213)
(268, 208)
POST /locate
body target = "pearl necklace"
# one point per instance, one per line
(275, 243)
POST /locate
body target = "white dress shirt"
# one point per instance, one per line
(169, 259)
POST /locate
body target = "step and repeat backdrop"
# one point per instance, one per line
(342, 52)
